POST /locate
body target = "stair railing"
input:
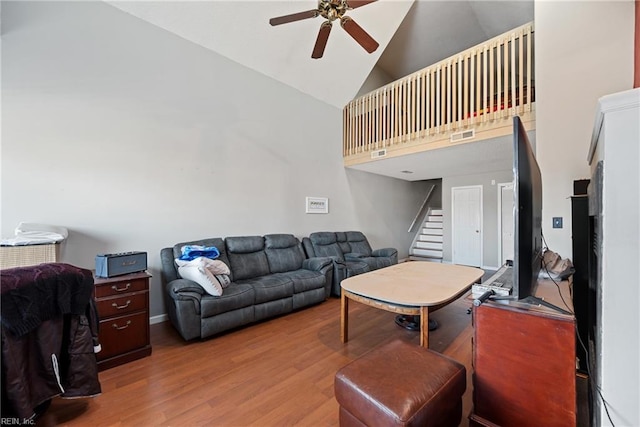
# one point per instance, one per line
(421, 210)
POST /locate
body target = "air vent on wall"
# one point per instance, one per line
(461, 136)
(378, 153)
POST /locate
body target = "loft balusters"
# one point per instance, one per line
(467, 97)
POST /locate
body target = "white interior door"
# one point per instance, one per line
(505, 200)
(466, 225)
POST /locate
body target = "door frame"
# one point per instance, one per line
(500, 186)
(453, 228)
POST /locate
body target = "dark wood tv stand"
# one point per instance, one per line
(524, 362)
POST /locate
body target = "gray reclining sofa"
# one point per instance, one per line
(270, 276)
(351, 254)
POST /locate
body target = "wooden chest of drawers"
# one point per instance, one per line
(123, 308)
(524, 362)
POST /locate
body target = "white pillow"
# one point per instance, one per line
(215, 266)
(219, 269)
(211, 274)
(202, 277)
(224, 279)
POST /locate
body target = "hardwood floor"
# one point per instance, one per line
(274, 373)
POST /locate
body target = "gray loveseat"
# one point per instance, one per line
(351, 254)
(270, 276)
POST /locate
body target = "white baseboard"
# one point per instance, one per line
(158, 319)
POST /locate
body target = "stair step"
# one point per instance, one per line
(433, 224)
(432, 231)
(429, 238)
(426, 252)
(429, 245)
(424, 258)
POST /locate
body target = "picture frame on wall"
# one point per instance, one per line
(317, 205)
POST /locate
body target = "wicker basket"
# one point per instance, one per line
(22, 256)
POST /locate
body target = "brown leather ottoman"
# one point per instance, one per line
(400, 384)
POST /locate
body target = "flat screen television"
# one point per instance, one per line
(527, 219)
(527, 214)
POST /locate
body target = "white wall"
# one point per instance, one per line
(584, 50)
(375, 80)
(135, 139)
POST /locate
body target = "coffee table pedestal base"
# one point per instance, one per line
(412, 323)
(421, 312)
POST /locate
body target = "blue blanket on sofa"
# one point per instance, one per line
(191, 252)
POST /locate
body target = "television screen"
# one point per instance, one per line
(527, 214)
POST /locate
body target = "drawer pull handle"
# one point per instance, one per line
(117, 289)
(120, 307)
(121, 327)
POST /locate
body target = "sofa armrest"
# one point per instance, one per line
(316, 263)
(324, 266)
(385, 252)
(180, 286)
(337, 260)
(183, 290)
(183, 301)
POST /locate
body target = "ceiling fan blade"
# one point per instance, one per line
(294, 17)
(357, 3)
(321, 41)
(358, 34)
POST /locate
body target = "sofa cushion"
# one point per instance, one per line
(305, 280)
(247, 258)
(375, 263)
(235, 296)
(341, 238)
(270, 287)
(323, 237)
(358, 242)
(244, 244)
(284, 252)
(325, 245)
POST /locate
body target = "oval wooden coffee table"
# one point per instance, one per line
(411, 288)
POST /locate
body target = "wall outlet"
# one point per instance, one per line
(557, 222)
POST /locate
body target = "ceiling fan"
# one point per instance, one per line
(332, 10)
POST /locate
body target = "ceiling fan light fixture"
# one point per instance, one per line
(332, 10)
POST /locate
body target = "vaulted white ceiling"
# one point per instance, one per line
(240, 31)
(412, 35)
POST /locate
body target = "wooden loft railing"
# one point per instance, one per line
(467, 97)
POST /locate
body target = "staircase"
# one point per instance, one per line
(427, 245)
